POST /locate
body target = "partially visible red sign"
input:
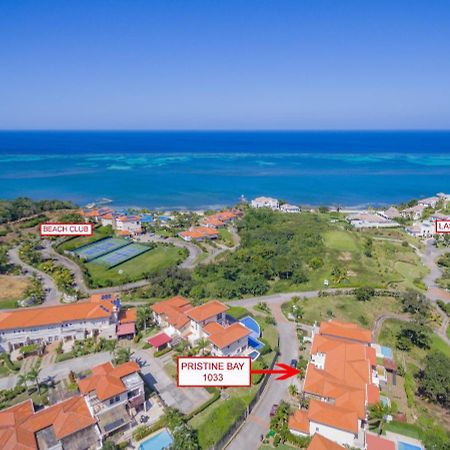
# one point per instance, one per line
(442, 226)
(66, 229)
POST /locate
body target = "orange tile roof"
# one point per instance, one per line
(106, 380)
(49, 315)
(206, 231)
(373, 394)
(19, 423)
(332, 415)
(320, 442)
(174, 311)
(213, 327)
(226, 336)
(346, 330)
(375, 442)
(299, 421)
(128, 315)
(124, 232)
(371, 356)
(107, 216)
(207, 310)
(320, 383)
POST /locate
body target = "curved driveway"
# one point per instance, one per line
(52, 293)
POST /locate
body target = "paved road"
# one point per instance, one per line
(53, 294)
(155, 376)
(58, 371)
(258, 421)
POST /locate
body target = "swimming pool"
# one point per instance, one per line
(157, 442)
(252, 325)
(387, 352)
(254, 355)
(406, 446)
(254, 343)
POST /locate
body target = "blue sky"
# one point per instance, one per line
(224, 64)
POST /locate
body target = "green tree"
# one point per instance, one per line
(293, 391)
(143, 317)
(122, 355)
(364, 294)
(378, 416)
(434, 380)
(418, 334)
(33, 376)
(415, 303)
(110, 445)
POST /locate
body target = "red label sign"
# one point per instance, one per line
(214, 371)
(66, 229)
(442, 226)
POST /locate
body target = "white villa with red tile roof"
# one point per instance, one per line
(199, 234)
(341, 380)
(111, 392)
(46, 324)
(265, 202)
(178, 318)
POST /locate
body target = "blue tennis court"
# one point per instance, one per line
(121, 255)
(91, 251)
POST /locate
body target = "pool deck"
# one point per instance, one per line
(401, 438)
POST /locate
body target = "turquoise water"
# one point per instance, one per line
(406, 446)
(387, 352)
(252, 325)
(213, 169)
(159, 441)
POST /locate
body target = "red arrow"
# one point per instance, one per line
(285, 371)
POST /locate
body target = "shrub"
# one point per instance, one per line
(162, 352)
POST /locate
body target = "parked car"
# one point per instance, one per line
(273, 410)
(293, 363)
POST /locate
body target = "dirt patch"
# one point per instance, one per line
(345, 256)
(12, 287)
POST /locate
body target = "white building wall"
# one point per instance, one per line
(340, 436)
(51, 333)
(236, 348)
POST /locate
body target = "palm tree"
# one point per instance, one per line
(293, 391)
(122, 355)
(202, 344)
(33, 375)
(144, 315)
(22, 379)
(378, 415)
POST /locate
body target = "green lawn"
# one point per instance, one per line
(226, 237)
(340, 240)
(238, 312)
(406, 429)
(8, 304)
(448, 331)
(160, 257)
(345, 308)
(388, 337)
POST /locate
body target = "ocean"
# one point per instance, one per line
(199, 170)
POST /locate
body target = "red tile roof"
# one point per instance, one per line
(207, 310)
(332, 415)
(346, 330)
(173, 310)
(49, 315)
(128, 315)
(159, 340)
(106, 380)
(125, 329)
(375, 442)
(299, 421)
(320, 442)
(222, 337)
(373, 394)
(19, 423)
